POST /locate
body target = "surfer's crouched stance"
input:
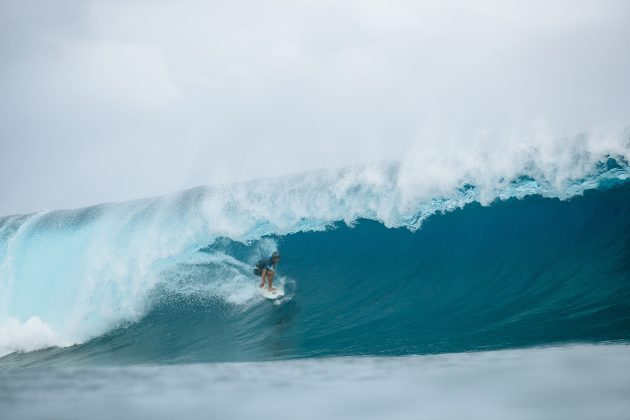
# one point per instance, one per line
(267, 269)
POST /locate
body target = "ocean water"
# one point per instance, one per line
(508, 294)
(580, 382)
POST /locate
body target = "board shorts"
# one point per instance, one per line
(264, 264)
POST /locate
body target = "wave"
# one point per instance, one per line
(372, 263)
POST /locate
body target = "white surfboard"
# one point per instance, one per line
(271, 295)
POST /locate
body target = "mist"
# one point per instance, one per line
(111, 100)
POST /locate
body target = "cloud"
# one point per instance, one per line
(111, 100)
(118, 74)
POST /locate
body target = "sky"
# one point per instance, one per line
(114, 100)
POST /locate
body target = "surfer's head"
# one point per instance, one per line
(275, 256)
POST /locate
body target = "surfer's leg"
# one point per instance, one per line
(264, 273)
(270, 279)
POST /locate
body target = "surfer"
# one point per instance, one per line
(269, 270)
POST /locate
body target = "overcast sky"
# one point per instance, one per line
(112, 100)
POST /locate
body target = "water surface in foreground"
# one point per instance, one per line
(572, 382)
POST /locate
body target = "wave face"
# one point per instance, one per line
(368, 268)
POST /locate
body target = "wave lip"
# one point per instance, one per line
(31, 335)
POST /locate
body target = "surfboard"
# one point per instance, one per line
(271, 295)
